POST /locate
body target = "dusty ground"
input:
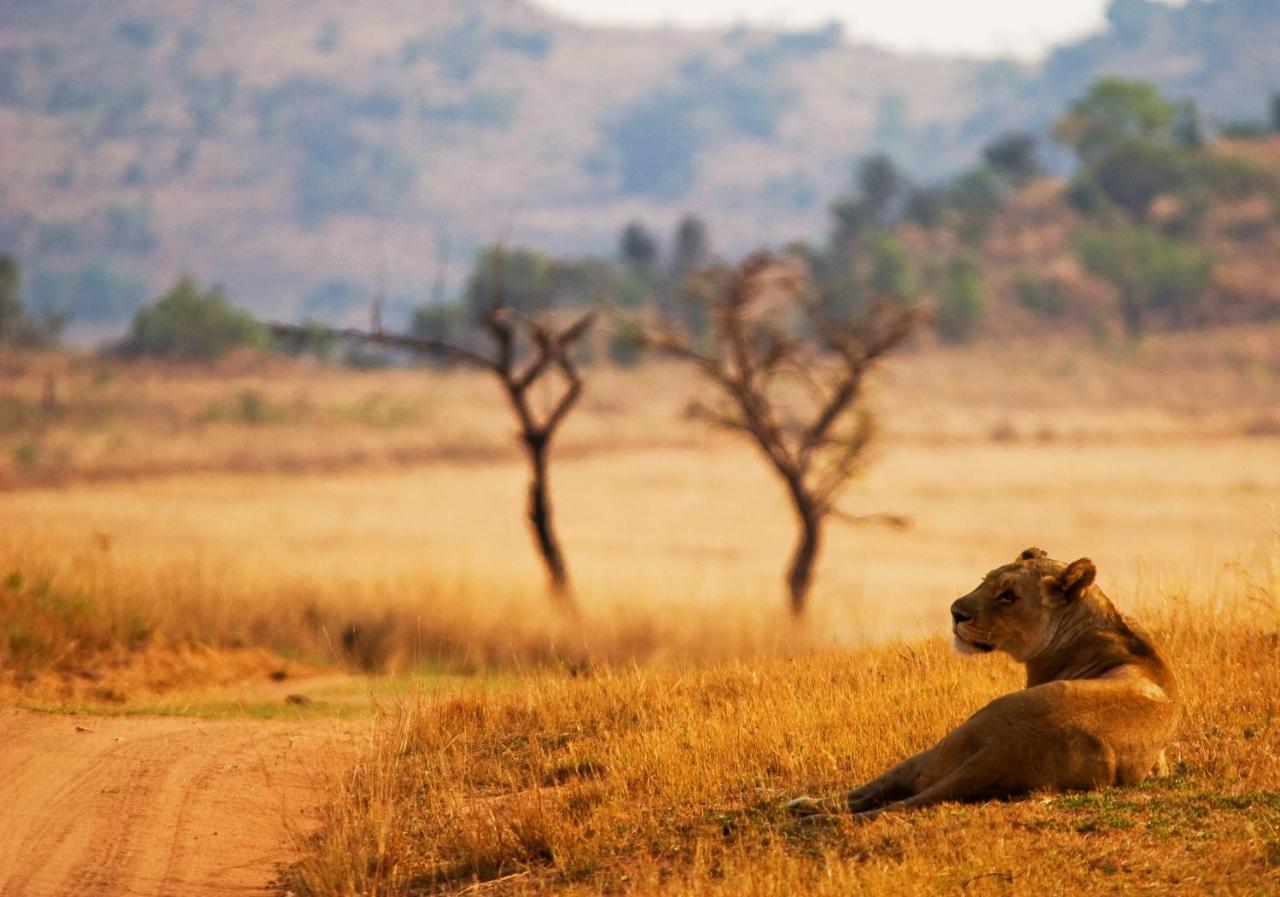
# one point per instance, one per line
(151, 806)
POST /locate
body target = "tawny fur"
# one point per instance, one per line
(1100, 704)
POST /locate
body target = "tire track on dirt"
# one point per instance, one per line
(155, 806)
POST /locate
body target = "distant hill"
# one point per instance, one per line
(1223, 54)
(293, 149)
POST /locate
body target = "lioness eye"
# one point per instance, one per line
(1008, 596)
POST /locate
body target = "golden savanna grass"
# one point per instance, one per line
(674, 781)
(172, 520)
(167, 528)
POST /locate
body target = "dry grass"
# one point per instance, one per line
(172, 525)
(677, 553)
(673, 782)
(111, 420)
(392, 538)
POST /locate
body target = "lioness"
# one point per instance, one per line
(1099, 707)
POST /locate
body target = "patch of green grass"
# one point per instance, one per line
(27, 456)
(1165, 807)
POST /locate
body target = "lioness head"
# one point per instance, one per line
(1015, 607)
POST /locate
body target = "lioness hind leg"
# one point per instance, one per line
(899, 782)
(896, 784)
(973, 779)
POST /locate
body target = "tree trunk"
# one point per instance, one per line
(543, 531)
(800, 573)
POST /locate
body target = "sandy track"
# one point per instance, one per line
(154, 806)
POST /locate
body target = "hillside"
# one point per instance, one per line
(276, 146)
(1220, 53)
(291, 150)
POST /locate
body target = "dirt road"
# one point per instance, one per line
(155, 806)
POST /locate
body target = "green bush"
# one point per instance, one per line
(11, 311)
(926, 206)
(17, 326)
(977, 196)
(188, 322)
(626, 344)
(1232, 177)
(891, 275)
(1040, 295)
(1013, 155)
(442, 321)
(961, 303)
(439, 320)
(533, 281)
(1152, 273)
(1132, 173)
(1114, 111)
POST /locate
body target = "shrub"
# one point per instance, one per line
(1114, 111)
(638, 248)
(880, 184)
(1013, 155)
(188, 322)
(891, 274)
(926, 206)
(1232, 177)
(439, 320)
(1151, 272)
(17, 327)
(977, 197)
(1244, 130)
(626, 344)
(533, 281)
(960, 303)
(1040, 295)
(10, 308)
(1134, 172)
(690, 247)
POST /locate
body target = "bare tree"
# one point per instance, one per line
(523, 352)
(789, 365)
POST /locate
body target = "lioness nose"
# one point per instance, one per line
(960, 616)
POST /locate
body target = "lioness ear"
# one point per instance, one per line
(1032, 554)
(1078, 576)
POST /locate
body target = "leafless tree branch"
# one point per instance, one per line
(550, 348)
(753, 349)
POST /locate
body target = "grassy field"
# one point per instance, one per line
(181, 541)
(674, 782)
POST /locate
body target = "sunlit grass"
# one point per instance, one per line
(219, 544)
(674, 781)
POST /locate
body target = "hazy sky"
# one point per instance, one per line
(1020, 27)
